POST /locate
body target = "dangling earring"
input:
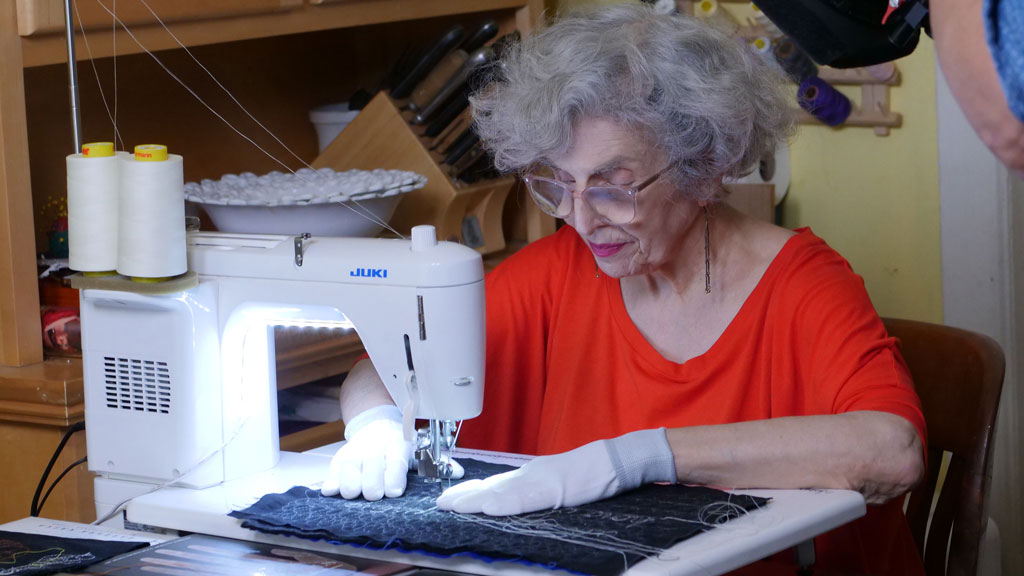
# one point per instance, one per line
(597, 270)
(707, 253)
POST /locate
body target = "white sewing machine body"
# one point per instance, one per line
(175, 380)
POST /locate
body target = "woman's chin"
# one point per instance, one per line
(613, 269)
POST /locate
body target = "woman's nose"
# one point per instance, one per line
(584, 219)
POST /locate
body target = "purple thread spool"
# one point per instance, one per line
(823, 101)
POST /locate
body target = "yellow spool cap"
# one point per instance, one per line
(707, 8)
(151, 152)
(98, 149)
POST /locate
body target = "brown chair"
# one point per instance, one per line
(958, 375)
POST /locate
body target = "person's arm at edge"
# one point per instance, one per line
(875, 453)
(959, 33)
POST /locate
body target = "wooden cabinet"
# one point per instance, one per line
(278, 57)
(38, 403)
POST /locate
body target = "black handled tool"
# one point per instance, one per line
(453, 130)
(476, 40)
(450, 112)
(426, 63)
(468, 159)
(442, 73)
(462, 145)
(478, 59)
(477, 80)
(449, 66)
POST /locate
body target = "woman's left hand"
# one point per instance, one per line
(591, 472)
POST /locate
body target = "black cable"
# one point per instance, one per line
(42, 502)
(53, 460)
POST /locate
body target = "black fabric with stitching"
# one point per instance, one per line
(33, 555)
(653, 515)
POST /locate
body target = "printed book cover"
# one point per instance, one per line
(199, 555)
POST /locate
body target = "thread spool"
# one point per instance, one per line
(710, 12)
(151, 152)
(92, 180)
(151, 244)
(823, 101)
(761, 45)
(797, 64)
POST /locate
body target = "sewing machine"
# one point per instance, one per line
(180, 384)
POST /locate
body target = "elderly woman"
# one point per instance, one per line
(660, 335)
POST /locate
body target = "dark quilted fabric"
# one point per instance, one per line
(654, 515)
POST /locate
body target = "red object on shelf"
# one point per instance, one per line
(59, 313)
(52, 292)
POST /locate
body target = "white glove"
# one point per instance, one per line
(375, 459)
(591, 472)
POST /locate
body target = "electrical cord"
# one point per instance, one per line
(70, 467)
(36, 506)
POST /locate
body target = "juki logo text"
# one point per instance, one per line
(369, 273)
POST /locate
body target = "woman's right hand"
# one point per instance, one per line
(375, 459)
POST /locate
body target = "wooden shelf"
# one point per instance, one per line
(320, 435)
(308, 355)
(43, 49)
(48, 393)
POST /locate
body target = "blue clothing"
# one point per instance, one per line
(1004, 30)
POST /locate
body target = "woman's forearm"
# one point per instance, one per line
(875, 453)
(362, 390)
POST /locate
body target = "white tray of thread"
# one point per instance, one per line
(322, 202)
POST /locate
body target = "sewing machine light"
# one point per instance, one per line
(315, 324)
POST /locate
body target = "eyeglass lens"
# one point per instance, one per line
(613, 204)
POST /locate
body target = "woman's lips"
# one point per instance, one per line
(606, 250)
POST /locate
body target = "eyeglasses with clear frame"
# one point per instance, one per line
(612, 204)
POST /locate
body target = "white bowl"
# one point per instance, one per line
(323, 203)
(334, 219)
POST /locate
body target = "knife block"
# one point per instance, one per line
(380, 136)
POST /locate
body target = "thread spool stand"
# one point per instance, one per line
(381, 136)
(873, 110)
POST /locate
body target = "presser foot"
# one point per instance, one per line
(434, 446)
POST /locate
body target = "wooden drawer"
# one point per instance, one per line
(47, 16)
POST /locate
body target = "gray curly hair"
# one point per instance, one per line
(712, 105)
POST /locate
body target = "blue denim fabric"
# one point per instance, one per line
(1004, 30)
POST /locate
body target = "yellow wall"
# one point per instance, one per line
(875, 199)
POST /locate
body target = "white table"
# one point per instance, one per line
(63, 529)
(792, 517)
